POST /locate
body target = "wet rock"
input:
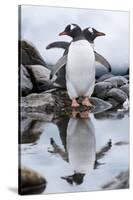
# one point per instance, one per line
(38, 103)
(37, 114)
(31, 129)
(100, 71)
(125, 88)
(40, 73)
(29, 55)
(117, 81)
(100, 105)
(25, 81)
(63, 104)
(101, 89)
(104, 77)
(119, 182)
(109, 114)
(113, 102)
(126, 76)
(126, 105)
(118, 95)
(30, 182)
(49, 105)
(40, 76)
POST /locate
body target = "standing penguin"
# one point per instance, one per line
(80, 65)
(91, 34)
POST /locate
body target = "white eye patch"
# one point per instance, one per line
(90, 29)
(72, 26)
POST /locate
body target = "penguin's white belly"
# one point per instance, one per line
(80, 69)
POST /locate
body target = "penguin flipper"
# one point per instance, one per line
(60, 63)
(99, 58)
(58, 44)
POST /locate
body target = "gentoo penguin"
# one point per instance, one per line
(91, 34)
(80, 67)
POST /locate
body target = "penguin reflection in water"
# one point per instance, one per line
(80, 148)
(80, 65)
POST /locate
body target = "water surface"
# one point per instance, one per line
(85, 147)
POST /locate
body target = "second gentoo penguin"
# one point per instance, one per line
(91, 34)
(80, 67)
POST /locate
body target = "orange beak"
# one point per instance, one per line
(63, 33)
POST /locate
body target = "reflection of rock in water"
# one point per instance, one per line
(30, 182)
(119, 182)
(111, 114)
(30, 130)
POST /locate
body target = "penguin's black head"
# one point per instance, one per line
(72, 30)
(91, 33)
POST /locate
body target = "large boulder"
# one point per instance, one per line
(40, 77)
(126, 76)
(40, 73)
(31, 129)
(125, 88)
(117, 81)
(118, 95)
(104, 77)
(30, 182)
(121, 181)
(38, 103)
(101, 89)
(25, 81)
(113, 102)
(47, 106)
(29, 55)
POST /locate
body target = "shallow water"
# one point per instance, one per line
(79, 142)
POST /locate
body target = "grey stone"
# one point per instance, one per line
(29, 54)
(104, 77)
(117, 81)
(25, 81)
(63, 104)
(113, 102)
(99, 105)
(31, 182)
(126, 76)
(101, 89)
(39, 103)
(109, 114)
(121, 181)
(118, 95)
(40, 72)
(32, 133)
(46, 106)
(40, 76)
(125, 88)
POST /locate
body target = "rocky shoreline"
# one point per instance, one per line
(42, 99)
(35, 80)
